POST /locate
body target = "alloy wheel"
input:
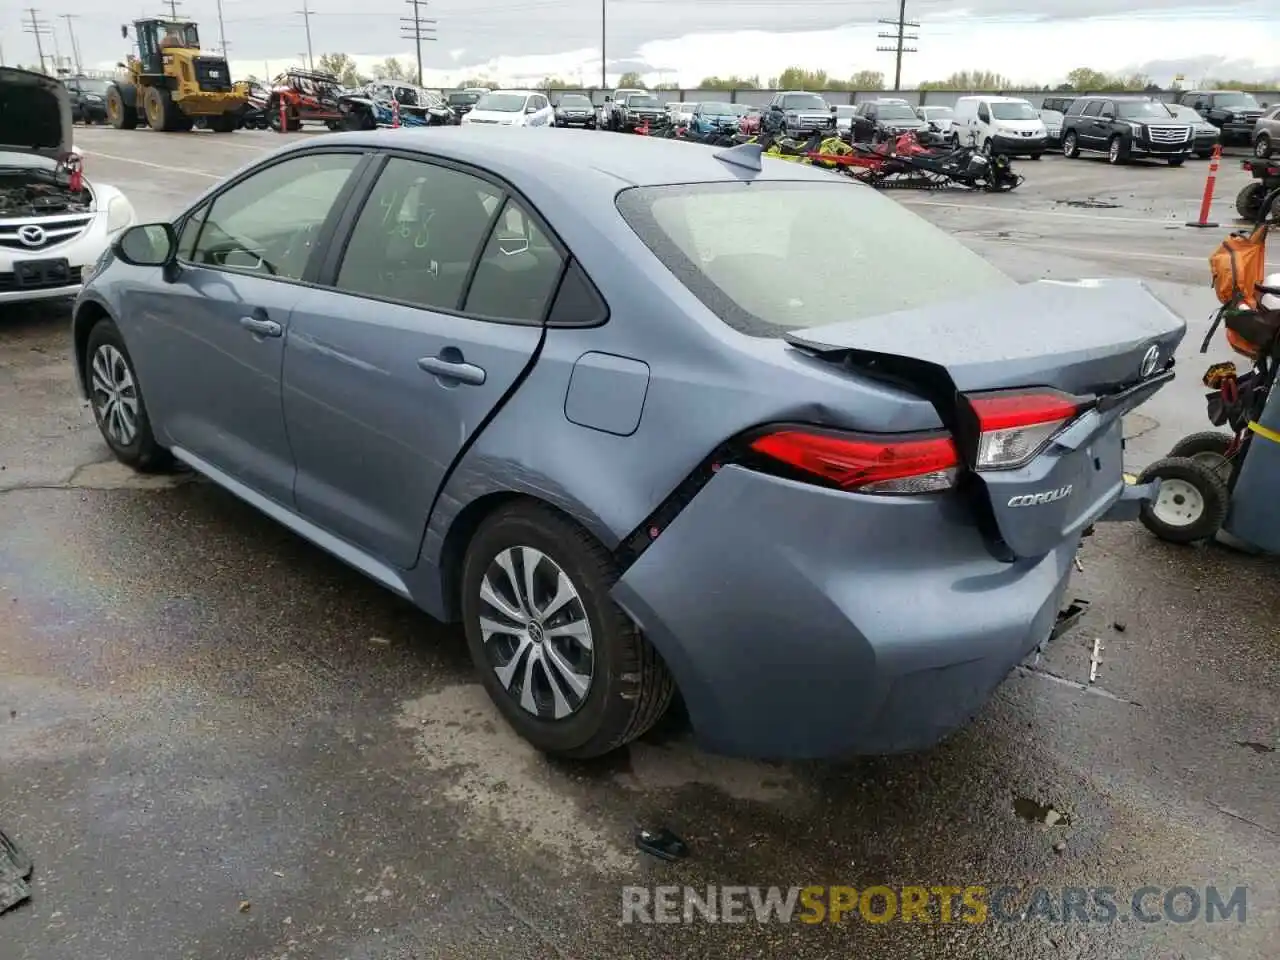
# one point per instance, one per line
(1262, 147)
(1113, 152)
(535, 630)
(114, 394)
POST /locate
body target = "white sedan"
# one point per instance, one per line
(511, 108)
(54, 223)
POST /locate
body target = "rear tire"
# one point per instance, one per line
(120, 114)
(1176, 161)
(627, 686)
(1262, 146)
(1070, 145)
(226, 123)
(115, 395)
(1249, 201)
(1209, 448)
(1191, 503)
(162, 113)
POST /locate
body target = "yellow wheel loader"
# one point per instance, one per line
(169, 85)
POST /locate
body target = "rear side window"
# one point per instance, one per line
(417, 236)
(518, 270)
(767, 257)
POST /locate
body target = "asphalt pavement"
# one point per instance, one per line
(217, 742)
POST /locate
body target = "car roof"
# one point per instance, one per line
(1114, 96)
(569, 158)
(518, 93)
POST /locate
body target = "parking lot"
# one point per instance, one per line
(218, 742)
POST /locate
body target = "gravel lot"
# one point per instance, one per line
(219, 743)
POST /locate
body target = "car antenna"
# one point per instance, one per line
(743, 155)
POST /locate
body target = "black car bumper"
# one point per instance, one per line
(1205, 143)
(576, 120)
(1016, 146)
(1239, 130)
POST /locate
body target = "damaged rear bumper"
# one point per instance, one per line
(805, 623)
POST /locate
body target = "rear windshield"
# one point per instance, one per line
(462, 99)
(574, 100)
(1013, 111)
(772, 256)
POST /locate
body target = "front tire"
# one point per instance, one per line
(565, 666)
(1191, 503)
(1262, 147)
(1176, 161)
(120, 114)
(115, 394)
(1070, 146)
(1117, 152)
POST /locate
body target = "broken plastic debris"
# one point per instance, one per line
(1095, 660)
(662, 844)
(15, 871)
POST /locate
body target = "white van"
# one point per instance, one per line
(1008, 125)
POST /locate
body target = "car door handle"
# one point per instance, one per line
(261, 327)
(448, 369)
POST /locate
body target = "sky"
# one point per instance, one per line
(682, 41)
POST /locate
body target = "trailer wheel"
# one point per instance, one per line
(1191, 502)
(1210, 448)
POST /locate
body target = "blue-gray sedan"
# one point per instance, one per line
(650, 418)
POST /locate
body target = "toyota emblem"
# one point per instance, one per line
(30, 235)
(1149, 361)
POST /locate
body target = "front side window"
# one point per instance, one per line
(518, 270)
(417, 236)
(1093, 109)
(851, 253)
(268, 223)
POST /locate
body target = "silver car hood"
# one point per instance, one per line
(35, 114)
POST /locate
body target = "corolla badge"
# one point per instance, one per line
(1149, 361)
(1038, 499)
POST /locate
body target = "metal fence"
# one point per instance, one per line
(940, 98)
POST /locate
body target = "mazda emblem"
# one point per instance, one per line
(30, 235)
(1149, 361)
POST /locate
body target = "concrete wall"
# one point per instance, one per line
(915, 97)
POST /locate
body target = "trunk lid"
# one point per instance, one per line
(1108, 344)
(35, 114)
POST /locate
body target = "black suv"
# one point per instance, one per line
(1124, 127)
(1234, 112)
(875, 120)
(88, 99)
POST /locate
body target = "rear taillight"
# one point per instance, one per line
(866, 464)
(1015, 425)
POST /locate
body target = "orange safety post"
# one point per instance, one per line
(1209, 183)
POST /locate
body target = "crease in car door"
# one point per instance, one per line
(380, 395)
(217, 332)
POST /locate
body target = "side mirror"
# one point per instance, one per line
(775, 108)
(1108, 116)
(608, 99)
(147, 245)
(833, 108)
(122, 65)
(124, 30)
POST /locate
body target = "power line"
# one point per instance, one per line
(75, 47)
(306, 22)
(900, 38)
(417, 29)
(38, 28)
(604, 23)
(222, 31)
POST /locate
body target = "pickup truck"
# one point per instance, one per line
(634, 110)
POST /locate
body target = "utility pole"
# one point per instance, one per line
(306, 22)
(418, 29)
(75, 47)
(39, 28)
(222, 32)
(173, 8)
(604, 32)
(900, 38)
